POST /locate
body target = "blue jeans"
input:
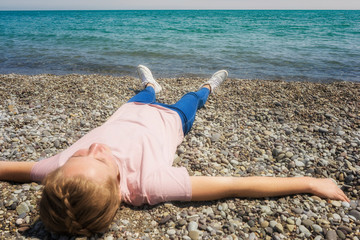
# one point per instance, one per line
(186, 107)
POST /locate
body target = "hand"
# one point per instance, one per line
(327, 188)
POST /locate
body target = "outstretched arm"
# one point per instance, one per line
(212, 188)
(15, 171)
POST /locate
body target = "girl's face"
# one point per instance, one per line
(97, 163)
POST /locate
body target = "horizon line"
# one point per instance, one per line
(171, 9)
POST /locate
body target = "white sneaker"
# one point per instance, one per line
(146, 77)
(216, 79)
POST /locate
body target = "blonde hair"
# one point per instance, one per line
(77, 205)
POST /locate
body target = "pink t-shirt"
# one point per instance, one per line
(143, 138)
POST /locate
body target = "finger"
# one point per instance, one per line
(343, 197)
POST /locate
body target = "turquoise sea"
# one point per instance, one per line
(288, 45)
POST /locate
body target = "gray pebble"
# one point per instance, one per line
(355, 214)
(22, 208)
(252, 236)
(317, 228)
(336, 217)
(304, 230)
(331, 235)
(336, 203)
(323, 130)
(273, 223)
(353, 204)
(171, 232)
(19, 221)
(298, 210)
(192, 226)
(300, 129)
(125, 222)
(215, 137)
(307, 223)
(266, 209)
(340, 234)
(345, 229)
(345, 204)
(299, 163)
(251, 223)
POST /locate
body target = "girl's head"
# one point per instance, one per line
(82, 196)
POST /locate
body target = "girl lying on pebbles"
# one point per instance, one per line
(129, 159)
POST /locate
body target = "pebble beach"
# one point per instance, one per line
(248, 128)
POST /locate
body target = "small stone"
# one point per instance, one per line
(355, 214)
(331, 235)
(23, 229)
(194, 235)
(57, 143)
(289, 154)
(341, 177)
(251, 223)
(192, 226)
(323, 130)
(215, 137)
(165, 219)
(269, 230)
(290, 227)
(19, 221)
(252, 236)
(182, 222)
(345, 229)
(336, 217)
(22, 208)
(290, 221)
(288, 132)
(216, 226)
(266, 209)
(345, 204)
(276, 152)
(353, 204)
(316, 198)
(273, 223)
(340, 234)
(336, 203)
(298, 210)
(317, 228)
(125, 222)
(304, 230)
(264, 224)
(171, 232)
(12, 109)
(267, 133)
(307, 223)
(278, 227)
(300, 129)
(299, 163)
(27, 219)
